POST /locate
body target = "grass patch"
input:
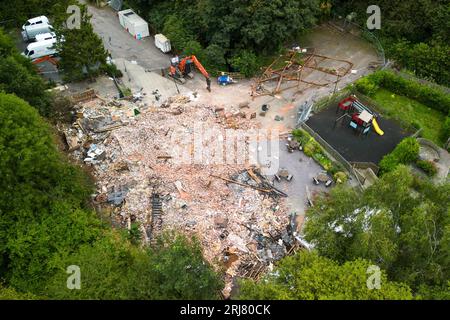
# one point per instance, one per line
(409, 111)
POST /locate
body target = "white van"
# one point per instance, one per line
(40, 49)
(30, 32)
(35, 21)
(45, 36)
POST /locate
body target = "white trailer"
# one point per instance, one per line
(162, 43)
(134, 24)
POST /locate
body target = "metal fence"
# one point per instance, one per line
(325, 102)
(344, 25)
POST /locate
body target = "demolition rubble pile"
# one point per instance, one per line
(236, 213)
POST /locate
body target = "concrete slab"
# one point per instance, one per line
(303, 169)
(138, 79)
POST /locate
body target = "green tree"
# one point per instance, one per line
(420, 45)
(114, 269)
(181, 272)
(43, 208)
(215, 57)
(406, 152)
(81, 50)
(401, 223)
(307, 276)
(174, 30)
(11, 294)
(261, 26)
(193, 47)
(18, 76)
(245, 62)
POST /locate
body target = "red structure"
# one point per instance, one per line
(347, 103)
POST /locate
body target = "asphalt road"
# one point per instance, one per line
(121, 44)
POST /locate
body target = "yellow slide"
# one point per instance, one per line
(377, 127)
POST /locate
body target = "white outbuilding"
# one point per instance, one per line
(133, 23)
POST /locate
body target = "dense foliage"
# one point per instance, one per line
(308, 276)
(39, 195)
(429, 96)
(406, 152)
(114, 269)
(82, 52)
(17, 75)
(415, 33)
(230, 33)
(46, 225)
(401, 223)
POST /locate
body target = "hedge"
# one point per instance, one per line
(407, 151)
(431, 97)
(427, 166)
(313, 149)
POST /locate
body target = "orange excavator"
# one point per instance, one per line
(180, 70)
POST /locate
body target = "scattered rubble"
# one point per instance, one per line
(133, 149)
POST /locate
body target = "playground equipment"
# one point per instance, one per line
(362, 119)
(376, 127)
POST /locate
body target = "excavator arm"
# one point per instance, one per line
(199, 66)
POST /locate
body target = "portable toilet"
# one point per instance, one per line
(133, 23)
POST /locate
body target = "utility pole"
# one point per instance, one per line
(335, 85)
